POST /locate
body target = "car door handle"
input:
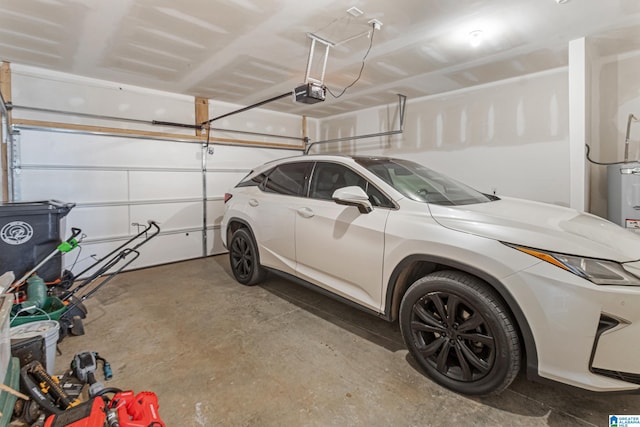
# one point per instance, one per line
(305, 212)
(253, 202)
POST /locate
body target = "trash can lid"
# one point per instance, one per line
(35, 208)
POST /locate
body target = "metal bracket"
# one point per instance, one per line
(327, 45)
(375, 25)
(626, 140)
(402, 101)
(630, 171)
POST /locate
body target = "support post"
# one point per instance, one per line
(5, 90)
(202, 114)
(579, 122)
(305, 133)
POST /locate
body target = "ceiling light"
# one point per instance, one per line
(475, 38)
(561, 1)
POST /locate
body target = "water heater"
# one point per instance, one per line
(624, 195)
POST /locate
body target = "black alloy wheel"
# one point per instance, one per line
(460, 333)
(244, 259)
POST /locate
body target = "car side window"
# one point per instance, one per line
(288, 179)
(328, 177)
(253, 182)
(377, 198)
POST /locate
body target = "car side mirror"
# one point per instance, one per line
(353, 196)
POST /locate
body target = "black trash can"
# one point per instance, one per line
(29, 231)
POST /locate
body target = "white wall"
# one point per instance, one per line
(118, 181)
(39, 88)
(510, 136)
(617, 87)
(259, 121)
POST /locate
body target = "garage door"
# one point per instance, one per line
(120, 183)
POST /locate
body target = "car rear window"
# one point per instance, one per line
(288, 179)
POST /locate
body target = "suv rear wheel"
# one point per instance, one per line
(244, 258)
(460, 333)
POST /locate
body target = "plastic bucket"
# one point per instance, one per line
(49, 329)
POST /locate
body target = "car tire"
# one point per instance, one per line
(244, 258)
(460, 333)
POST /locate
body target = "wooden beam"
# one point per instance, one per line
(150, 134)
(103, 129)
(256, 143)
(304, 129)
(5, 81)
(202, 113)
(5, 89)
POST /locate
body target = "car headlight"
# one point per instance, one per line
(598, 271)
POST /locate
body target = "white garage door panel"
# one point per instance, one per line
(86, 256)
(117, 181)
(215, 210)
(214, 245)
(246, 158)
(72, 185)
(159, 250)
(99, 222)
(157, 185)
(60, 148)
(221, 182)
(170, 248)
(169, 216)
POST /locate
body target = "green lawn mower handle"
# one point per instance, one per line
(71, 243)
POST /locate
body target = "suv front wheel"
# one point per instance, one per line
(460, 333)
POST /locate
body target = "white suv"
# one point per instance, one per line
(480, 285)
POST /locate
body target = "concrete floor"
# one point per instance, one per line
(221, 354)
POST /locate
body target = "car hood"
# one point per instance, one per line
(542, 226)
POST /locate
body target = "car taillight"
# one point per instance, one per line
(227, 197)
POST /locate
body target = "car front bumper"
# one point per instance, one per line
(586, 335)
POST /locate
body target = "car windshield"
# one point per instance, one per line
(423, 184)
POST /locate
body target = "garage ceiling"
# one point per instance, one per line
(245, 51)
